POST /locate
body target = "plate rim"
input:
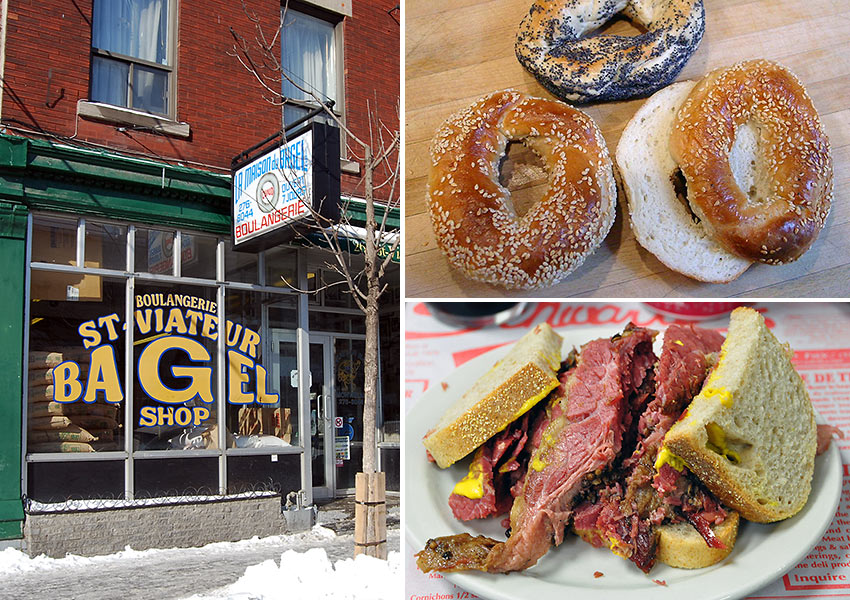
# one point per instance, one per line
(488, 585)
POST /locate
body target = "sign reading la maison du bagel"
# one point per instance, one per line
(273, 191)
(166, 322)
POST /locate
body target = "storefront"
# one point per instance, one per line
(158, 362)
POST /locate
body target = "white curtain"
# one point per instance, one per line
(137, 28)
(308, 56)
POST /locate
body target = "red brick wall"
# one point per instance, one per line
(47, 71)
(372, 58)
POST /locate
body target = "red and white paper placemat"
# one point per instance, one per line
(818, 333)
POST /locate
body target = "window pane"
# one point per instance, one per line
(196, 476)
(54, 240)
(254, 473)
(150, 90)
(106, 246)
(262, 425)
(76, 365)
(109, 81)
(337, 322)
(293, 112)
(175, 348)
(390, 376)
(78, 480)
(308, 58)
(137, 28)
(154, 251)
(198, 256)
(240, 267)
(281, 268)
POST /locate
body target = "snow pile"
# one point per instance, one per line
(14, 561)
(311, 575)
(107, 504)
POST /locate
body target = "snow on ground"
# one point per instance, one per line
(310, 574)
(314, 564)
(14, 561)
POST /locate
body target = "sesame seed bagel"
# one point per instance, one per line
(777, 213)
(551, 43)
(473, 218)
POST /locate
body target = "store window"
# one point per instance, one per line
(75, 392)
(174, 353)
(270, 425)
(134, 353)
(132, 51)
(309, 62)
(149, 375)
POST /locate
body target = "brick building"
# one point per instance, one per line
(118, 125)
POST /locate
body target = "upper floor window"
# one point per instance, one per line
(309, 61)
(131, 54)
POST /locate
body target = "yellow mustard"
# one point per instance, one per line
(536, 463)
(472, 486)
(723, 395)
(717, 443)
(665, 456)
(531, 402)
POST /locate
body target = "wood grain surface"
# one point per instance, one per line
(459, 50)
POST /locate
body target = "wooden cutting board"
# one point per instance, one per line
(459, 50)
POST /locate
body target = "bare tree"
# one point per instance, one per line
(379, 153)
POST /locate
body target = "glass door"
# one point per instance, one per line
(321, 417)
(349, 358)
(318, 401)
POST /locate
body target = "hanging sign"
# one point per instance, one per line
(285, 187)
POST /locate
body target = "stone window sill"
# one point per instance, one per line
(349, 166)
(119, 115)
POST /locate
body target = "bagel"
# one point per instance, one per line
(788, 188)
(658, 210)
(474, 220)
(550, 44)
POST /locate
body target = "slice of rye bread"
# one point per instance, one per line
(750, 434)
(661, 219)
(516, 383)
(682, 546)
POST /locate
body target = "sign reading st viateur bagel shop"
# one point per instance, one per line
(273, 191)
(166, 322)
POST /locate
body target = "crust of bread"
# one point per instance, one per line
(515, 384)
(472, 214)
(759, 411)
(682, 546)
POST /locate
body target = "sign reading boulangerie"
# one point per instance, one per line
(276, 189)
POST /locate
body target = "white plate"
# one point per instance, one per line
(762, 552)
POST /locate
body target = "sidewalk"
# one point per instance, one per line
(181, 572)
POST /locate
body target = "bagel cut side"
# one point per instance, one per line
(474, 220)
(554, 43)
(660, 217)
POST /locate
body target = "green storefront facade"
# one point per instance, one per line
(49, 186)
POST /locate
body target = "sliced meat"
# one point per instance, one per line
(581, 435)
(486, 490)
(627, 518)
(825, 435)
